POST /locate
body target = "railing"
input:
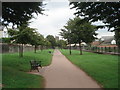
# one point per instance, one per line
(95, 49)
(107, 50)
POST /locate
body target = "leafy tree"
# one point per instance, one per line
(19, 13)
(66, 34)
(37, 39)
(22, 36)
(80, 32)
(108, 12)
(61, 44)
(46, 43)
(52, 40)
(6, 40)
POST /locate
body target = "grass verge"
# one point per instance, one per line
(103, 68)
(14, 69)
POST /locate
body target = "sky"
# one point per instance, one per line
(57, 13)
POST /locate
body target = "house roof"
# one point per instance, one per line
(83, 43)
(95, 43)
(107, 39)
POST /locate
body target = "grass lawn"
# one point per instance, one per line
(14, 69)
(103, 68)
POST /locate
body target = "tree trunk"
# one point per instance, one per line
(21, 50)
(117, 36)
(35, 48)
(80, 47)
(70, 49)
(41, 47)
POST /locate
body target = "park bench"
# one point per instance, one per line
(49, 51)
(35, 64)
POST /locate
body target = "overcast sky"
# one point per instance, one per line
(56, 16)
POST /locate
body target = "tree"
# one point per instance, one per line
(6, 40)
(108, 12)
(66, 34)
(19, 13)
(36, 40)
(61, 44)
(46, 43)
(52, 40)
(21, 36)
(80, 32)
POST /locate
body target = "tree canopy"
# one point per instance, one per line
(108, 12)
(19, 13)
(23, 35)
(52, 40)
(61, 44)
(77, 31)
(36, 40)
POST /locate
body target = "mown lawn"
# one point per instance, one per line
(103, 68)
(14, 69)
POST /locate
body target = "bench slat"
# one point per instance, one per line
(35, 64)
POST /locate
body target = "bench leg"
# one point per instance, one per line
(41, 66)
(37, 69)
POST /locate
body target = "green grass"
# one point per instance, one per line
(103, 68)
(14, 69)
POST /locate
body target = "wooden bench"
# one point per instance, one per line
(49, 51)
(35, 64)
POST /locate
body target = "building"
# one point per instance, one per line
(105, 41)
(95, 43)
(1, 34)
(1, 31)
(108, 40)
(56, 38)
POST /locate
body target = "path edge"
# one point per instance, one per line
(83, 71)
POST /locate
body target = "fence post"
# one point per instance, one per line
(101, 49)
(108, 50)
(93, 49)
(114, 50)
(96, 49)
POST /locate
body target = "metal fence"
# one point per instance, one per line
(107, 50)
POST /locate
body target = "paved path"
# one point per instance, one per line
(63, 74)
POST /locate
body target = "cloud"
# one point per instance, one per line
(104, 32)
(56, 19)
(58, 15)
